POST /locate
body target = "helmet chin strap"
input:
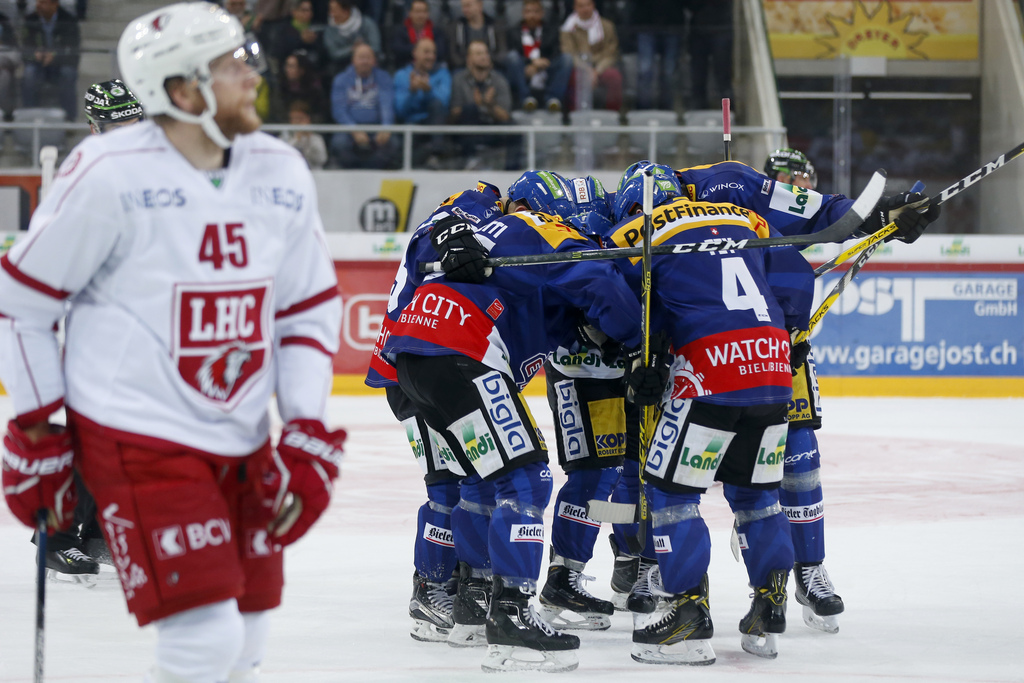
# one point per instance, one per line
(205, 120)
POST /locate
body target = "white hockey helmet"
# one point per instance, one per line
(180, 41)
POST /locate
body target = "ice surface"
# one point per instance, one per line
(924, 513)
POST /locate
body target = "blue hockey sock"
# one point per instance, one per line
(434, 550)
(763, 531)
(573, 534)
(627, 490)
(801, 496)
(471, 519)
(516, 535)
(681, 540)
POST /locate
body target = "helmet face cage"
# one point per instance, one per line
(111, 102)
(545, 192)
(793, 163)
(666, 188)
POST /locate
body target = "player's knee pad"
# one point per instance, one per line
(762, 530)
(202, 644)
(516, 537)
(434, 551)
(573, 533)
(471, 519)
(257, 629)
(680, 538)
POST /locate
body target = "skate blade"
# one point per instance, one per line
(506, 658)
(828, 624)
(684, 653)
(462, 635)
(562, 619)
(426, 632)
(766, 646)
(87, 580)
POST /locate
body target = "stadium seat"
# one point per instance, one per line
(667, 144)
(548, 145)
(705, 146)
(22, 137)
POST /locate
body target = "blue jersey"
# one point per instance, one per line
(788, 209)
(520, 314)
(477, 208)
(726, 313)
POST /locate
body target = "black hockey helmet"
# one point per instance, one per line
(793, 163)
(111, 102)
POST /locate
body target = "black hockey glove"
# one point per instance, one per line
(646, 385)
(798, 352)
(461, 254)
(902, 209)
(590, 337)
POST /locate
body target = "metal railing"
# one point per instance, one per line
(773, 135)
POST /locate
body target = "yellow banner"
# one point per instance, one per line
(819, 29)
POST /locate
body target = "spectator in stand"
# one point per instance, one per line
(299, 80)
(423, 91)
(415, 27)
(50, 44)
(364, 94)
(710, 42)
(659, 28)
(475, 24)
(269, 12)
(10, 60)
(594, 46)
(240, 10)
(480, 97)
(346, 27)
(537, 70)
(296, 33)
(309, 143)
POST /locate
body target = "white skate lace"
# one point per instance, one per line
(534, 618)
(76, 555)
(576, 580)
(439, 598)
(817, 582)
(649, 582)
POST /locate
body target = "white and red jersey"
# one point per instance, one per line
(189, 305)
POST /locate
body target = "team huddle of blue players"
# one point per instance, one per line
(734, 402)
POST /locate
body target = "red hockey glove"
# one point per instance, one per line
(39, 475)
(307, 460)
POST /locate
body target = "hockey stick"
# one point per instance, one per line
(836, 232)
(41, 516)
(869, 249)
(726, 129)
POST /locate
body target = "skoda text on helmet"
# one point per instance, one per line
(631, 192)
(111, 103)
(545, 192)
(793, 163)
(180, 41)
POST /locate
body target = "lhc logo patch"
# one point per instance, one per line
(221, 337)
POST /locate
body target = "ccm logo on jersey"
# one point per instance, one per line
(171, 541)
(532, 533)
(222, 339)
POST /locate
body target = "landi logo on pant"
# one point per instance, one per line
(438, 535)
(173, 541)
(531, 533)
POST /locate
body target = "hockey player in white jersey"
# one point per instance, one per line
(202, 289)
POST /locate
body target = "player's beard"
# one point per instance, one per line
(240, 121)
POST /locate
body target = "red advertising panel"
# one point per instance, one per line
(364, 287)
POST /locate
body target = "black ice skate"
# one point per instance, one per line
(814, 590)
(72, 565)
(683, 633)
(519, 640)
(469, 608)
(564, 595)
(643, 597)
(430, 609)
(97, 549)
(623, 574)
(766, 618)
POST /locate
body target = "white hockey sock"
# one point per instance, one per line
(257, 629)
(199, 645)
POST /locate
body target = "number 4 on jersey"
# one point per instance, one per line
(234, 245)
(736, 277)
